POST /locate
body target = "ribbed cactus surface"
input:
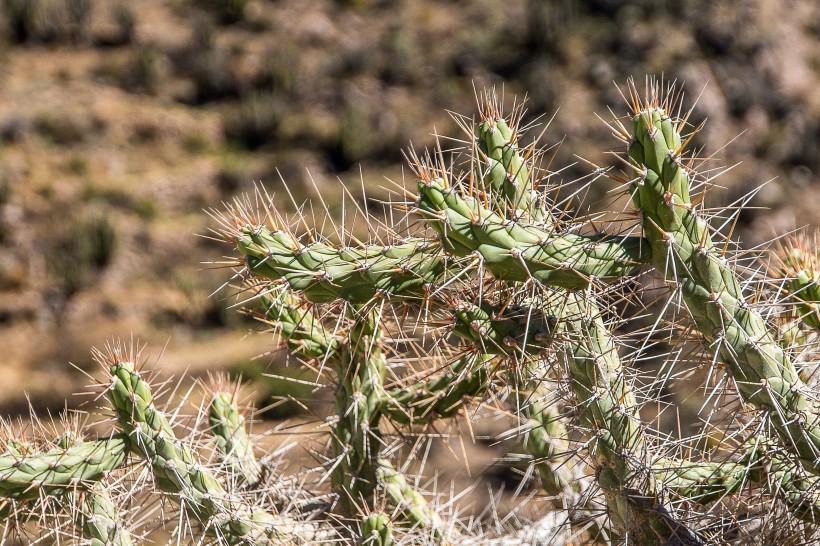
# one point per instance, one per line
(482, 302)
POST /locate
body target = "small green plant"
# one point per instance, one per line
(126, 24)
(143, 73)
(485, 297)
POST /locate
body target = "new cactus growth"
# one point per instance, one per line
(488, 302)
(798, 272)
(228, 427)
(99, 518)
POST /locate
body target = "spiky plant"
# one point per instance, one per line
(486, 300)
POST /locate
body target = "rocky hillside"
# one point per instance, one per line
(121, 122)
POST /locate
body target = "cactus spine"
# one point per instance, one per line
(488, 304)
(228, 427)
(174, 469)
(360, 367)
(684, 253)
(99, 518)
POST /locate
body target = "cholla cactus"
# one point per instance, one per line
(484, 299)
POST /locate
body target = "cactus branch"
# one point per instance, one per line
(300, 328)
(323, 273)
(504, 171)
(377, 530)
(516, 252)
(233, 446)
(545, 436)
(684, 253)
(798, 276)
(356, 440)
(27, 476)
(760, 464)
(175, 470)
(99, 518)
(440, 396)
(608, 407)
(403, 497)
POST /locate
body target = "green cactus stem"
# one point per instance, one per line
(503, 330)
(356, 440)
(788, 481)
(761, 464)
(516, 252)
(403, 497)
(798, 273)
(377, 530)
(684, 253)
(443, 395)
(29, 476)
(545, 436)
(175, 471)
(324, 273)
(300, 328)
(94, 511)
(232, 443)
(607, 406)
(99, 518)
(506, 174)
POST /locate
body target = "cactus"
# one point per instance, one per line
(684, 253)
(360, 367)
(99, 518)
(799, 272)
(376, 530)
(228, 427)
(492, 301)
(175, 470)
(26, 476)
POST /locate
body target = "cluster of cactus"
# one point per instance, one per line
(484, 297)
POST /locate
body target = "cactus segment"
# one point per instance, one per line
(506, 176)
(504, 331)
(608, 407)
(440, 396)
(799, 269)
(99, 518)
(684, 253)
(301, 330)
(196, 489)
(761, 464)
(516, 252)
(233, 446)
(545, 439)
(702, 483)
(404, 498)
(798, 489)
(28, 476)
(356, 440)
(360, 368)
(323, 273)
(377, 530)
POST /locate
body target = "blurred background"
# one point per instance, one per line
(121, 121)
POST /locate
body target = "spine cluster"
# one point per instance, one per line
(490, 300)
